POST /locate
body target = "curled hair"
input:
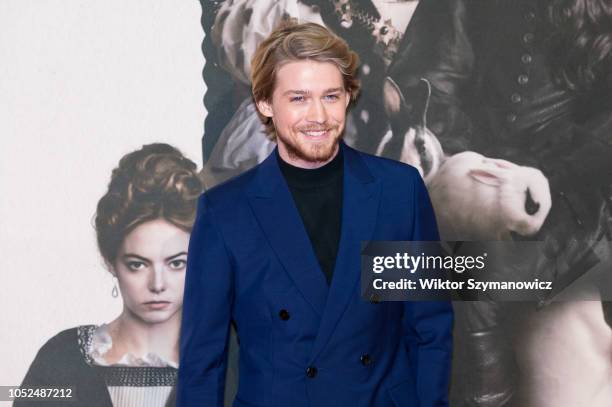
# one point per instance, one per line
(581, 43)
(294, 42)
(154, 182)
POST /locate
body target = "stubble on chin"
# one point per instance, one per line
(313, 152)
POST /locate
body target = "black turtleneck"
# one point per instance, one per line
(317, 194)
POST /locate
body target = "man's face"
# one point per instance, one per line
(308, 108)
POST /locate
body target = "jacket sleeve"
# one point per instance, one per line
(436, 46)
(428, 325)
(207, 309)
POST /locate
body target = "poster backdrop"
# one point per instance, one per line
(525, 88)
(84, 83)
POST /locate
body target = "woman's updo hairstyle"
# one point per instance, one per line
(154, 182)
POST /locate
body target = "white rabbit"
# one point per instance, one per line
(409, 140)
(480, 198)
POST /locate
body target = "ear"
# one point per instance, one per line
(265, 108)
(422, 94)
(488, 176)
(392, 97)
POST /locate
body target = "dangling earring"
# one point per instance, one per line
(115, 291)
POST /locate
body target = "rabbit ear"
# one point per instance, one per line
(408, 104)
(487, 175)
(396, 108)
(424, 96)
(394, 93)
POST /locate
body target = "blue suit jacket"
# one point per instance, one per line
(250, 260)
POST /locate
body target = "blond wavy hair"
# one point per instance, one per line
(291, 42)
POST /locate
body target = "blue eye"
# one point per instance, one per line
(297, 99)
(332, 97)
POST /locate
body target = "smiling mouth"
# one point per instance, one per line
(315, 133)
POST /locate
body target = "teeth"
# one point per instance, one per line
(314, 133)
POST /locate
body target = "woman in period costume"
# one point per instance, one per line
(143, 223)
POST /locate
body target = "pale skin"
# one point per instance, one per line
(150, 268)
(308, 108)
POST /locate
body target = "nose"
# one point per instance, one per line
(317, 112)
(531, 206)
(157, 280)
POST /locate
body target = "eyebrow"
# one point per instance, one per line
(126, 255)
(307, 92)
(147, 260)
(176, 255)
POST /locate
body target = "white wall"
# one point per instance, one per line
(81, 83)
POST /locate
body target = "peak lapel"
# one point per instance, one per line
(280, 220)
(359, 212)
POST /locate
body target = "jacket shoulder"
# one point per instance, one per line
(385, 167)
(400, 181)
(230, 192)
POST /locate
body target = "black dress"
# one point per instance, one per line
(63, 362)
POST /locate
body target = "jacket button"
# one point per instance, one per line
(523, 79)
(528, 38)
(526, 58)
(365, 359)
(511, 118)
(284, 315)
(516, 98)
(311, 372)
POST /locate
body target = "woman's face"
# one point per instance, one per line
(150, 268)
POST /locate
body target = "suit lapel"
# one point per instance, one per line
(359, 211)
(280, 220)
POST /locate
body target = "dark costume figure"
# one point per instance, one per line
(530, 82)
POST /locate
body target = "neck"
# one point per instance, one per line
(133, 335)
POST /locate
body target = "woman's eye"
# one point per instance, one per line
(178, 264)
(135, 265)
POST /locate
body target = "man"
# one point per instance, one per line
(277, 251)
(235, 137)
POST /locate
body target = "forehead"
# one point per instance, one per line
(308, 75)
(155, 238)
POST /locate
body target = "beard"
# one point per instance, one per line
(314, 151)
